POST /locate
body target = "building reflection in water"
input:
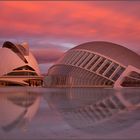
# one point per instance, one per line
(92, 110)
(96, 110)
(17, 108)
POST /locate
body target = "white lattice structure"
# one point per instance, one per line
(96, 64)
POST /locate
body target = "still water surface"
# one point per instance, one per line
(70, 113)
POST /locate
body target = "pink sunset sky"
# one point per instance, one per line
(53, 27)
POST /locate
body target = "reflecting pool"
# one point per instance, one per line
(69, 113)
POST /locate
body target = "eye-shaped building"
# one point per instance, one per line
(96, 64)
(18, 66)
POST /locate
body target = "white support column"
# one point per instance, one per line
(85, 54)
(110, 66)
(65, 57)
(86, 60)
(91, 61)
(117, 69)
(78, 56)
(98, 61)
(74, 55)
(105, 62)
(68, 57)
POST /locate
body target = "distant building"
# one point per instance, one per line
(18, 66)
(96, 64)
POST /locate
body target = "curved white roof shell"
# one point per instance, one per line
(9, 60)
(113, 51)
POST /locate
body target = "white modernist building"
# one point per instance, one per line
(18, 66)
(96, 64)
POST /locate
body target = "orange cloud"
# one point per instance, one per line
(70, 22)
(70, 18)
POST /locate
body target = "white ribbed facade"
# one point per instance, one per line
(93, 65)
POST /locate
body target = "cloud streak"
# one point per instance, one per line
(67, 20)
(47, 55)
(56, 26)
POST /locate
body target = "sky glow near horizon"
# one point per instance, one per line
(53, 27)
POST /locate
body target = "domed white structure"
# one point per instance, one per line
(96, 64)
(18, 66)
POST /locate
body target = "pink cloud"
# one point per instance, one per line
(68, 20)
(73, 22)
(47, 55)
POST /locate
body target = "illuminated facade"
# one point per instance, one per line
(96, 64)
(18, 66)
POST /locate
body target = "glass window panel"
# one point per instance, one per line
(74, 56)
(99, 64)
(22, 73)
(94, 61)
(135, 75)
(82, 58)
(112, 69)
(78, 57)
(86, 61)
(105, 67)
(118, 73)
(130, 82)
(68, 57)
